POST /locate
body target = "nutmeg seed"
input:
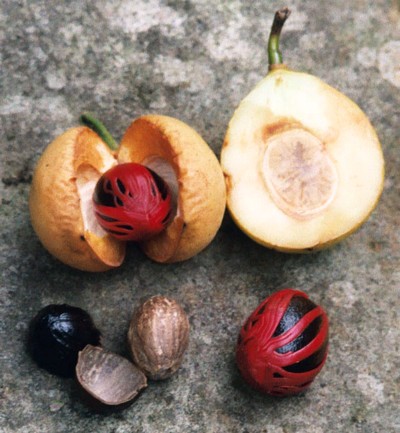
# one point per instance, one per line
(158, 336)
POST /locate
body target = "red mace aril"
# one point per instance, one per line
(283, 344)
(132, 202)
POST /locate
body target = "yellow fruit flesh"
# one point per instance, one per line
(288, 111)
(58, 202)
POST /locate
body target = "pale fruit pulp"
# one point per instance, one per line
(303, 165)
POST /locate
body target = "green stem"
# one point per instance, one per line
(98, 127)
(274, 54)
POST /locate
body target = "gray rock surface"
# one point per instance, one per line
(196, 60)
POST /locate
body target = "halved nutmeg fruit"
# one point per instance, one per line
(303, 165)
(162, 187)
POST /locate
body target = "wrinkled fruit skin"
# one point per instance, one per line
(283, 344)
(56, 335)
(132, 202)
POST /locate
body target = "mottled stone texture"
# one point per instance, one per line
(196, 60)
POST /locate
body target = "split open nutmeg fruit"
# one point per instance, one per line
(303, 165)
(162, 187)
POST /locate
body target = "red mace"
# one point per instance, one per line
(283, 344)
(132, 202)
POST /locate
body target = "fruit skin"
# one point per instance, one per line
(276, 104)
(283, 344)
(55, 203)
(201, 197)
(56, 335)
(132, 202)
(158, 336)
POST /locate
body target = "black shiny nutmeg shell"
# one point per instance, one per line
(56, 335)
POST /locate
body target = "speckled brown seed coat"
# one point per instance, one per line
(158, 336)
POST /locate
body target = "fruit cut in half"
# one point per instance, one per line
(179, 155)
(303, 165)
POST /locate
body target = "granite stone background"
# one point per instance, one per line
(196, 60)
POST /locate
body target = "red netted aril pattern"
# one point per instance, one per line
(283, 344)
(132, 202)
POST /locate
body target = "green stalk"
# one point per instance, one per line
(274, 54)
(98, 127)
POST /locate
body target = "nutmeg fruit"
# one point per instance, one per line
(61, 206)
(158, 336)
(303, 165)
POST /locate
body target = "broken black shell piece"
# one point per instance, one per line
(56, 335)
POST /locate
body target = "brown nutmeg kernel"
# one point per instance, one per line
(158, 336)
(110, 379)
